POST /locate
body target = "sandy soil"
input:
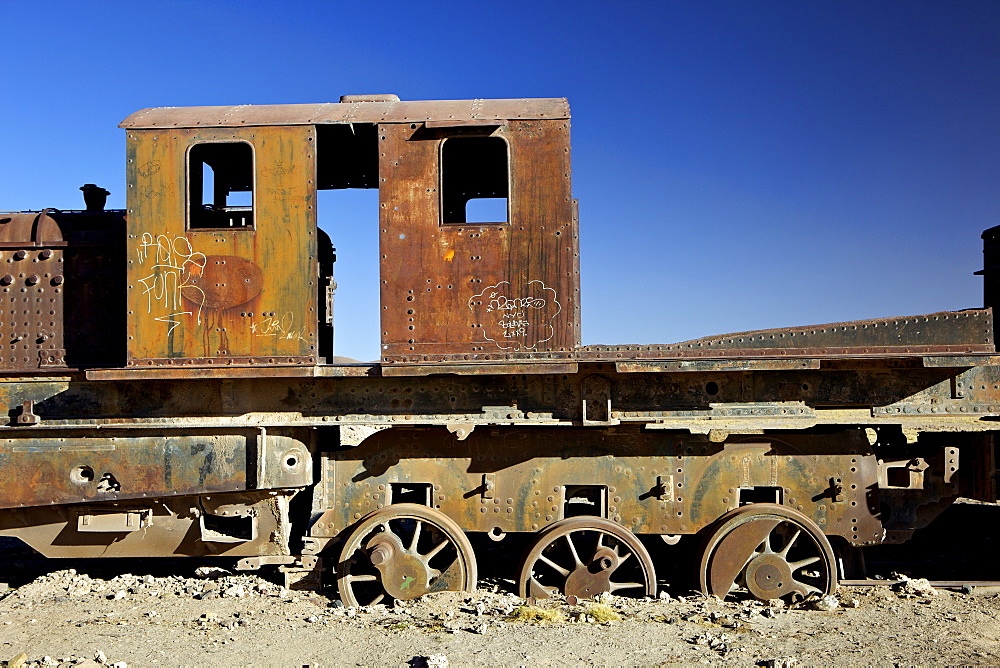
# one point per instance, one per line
(178, 612)
(69, 618)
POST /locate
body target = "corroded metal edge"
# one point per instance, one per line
(222, 372)
(348, 112)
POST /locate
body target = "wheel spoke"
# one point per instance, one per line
(615, 586)
(788, 546)
(572, 549)
(562, 571)
(796, 565)
(538, 590)
(377, 599)
(433, 553)
(416, 537)
(767, 544)
(808, 588)
(362, 578)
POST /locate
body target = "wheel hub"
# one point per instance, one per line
(590, 579)
(769, 576)
(404, 576)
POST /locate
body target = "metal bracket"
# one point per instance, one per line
(950, 464)
(489, 485)
(55, 357)
(461, 429)
(27, 416)
(596, 406)
(796, 409)
(254, 563)
(313, 545)
(331, 290)
(664, 490)
(354, 434)
(836, 490)
(119, 522)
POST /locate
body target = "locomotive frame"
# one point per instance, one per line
(172, 392)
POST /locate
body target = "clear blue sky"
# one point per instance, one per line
(739, 165)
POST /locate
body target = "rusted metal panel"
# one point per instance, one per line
(717, 365)
(53, 469)
(86, 469)
(456, 291)
(692, 400)
(479, 369)
(969, 331)
(60, 273)
(229, 371)
(462, 123)
(32, 306)
(539, 478)
(199, 296)
(348, 112)
(957, 334)
(957, 361)
(640, 353)
(173, 527)
(29, 228)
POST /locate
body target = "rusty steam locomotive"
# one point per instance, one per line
(172, 392)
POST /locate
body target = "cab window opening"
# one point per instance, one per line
(220, 186)
(475, 181)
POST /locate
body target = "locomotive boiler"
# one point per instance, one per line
(171, 388)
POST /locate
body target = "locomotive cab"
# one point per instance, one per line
(782, 452)
(477, 230)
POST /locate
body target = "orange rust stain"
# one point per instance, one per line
(450, 255)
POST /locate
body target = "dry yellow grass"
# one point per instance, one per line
(536, 615)
(602, 613)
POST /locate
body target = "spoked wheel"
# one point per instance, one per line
(584, 557)
(403, 551)
(772, 551)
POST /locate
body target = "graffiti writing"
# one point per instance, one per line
(499, 302)
(171, 263)
(281, 327)
(517, 322)
(148, 169)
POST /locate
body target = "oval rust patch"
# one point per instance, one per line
(224, 282)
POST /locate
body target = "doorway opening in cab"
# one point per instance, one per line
(475, 181)
(347, 212)
(220, 186)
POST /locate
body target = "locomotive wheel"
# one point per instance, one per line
(772, 551)
(403, 551)
(584, 557)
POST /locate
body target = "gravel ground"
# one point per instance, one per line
(177, 612)
(68, 618)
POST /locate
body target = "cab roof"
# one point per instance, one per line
(350, 109)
